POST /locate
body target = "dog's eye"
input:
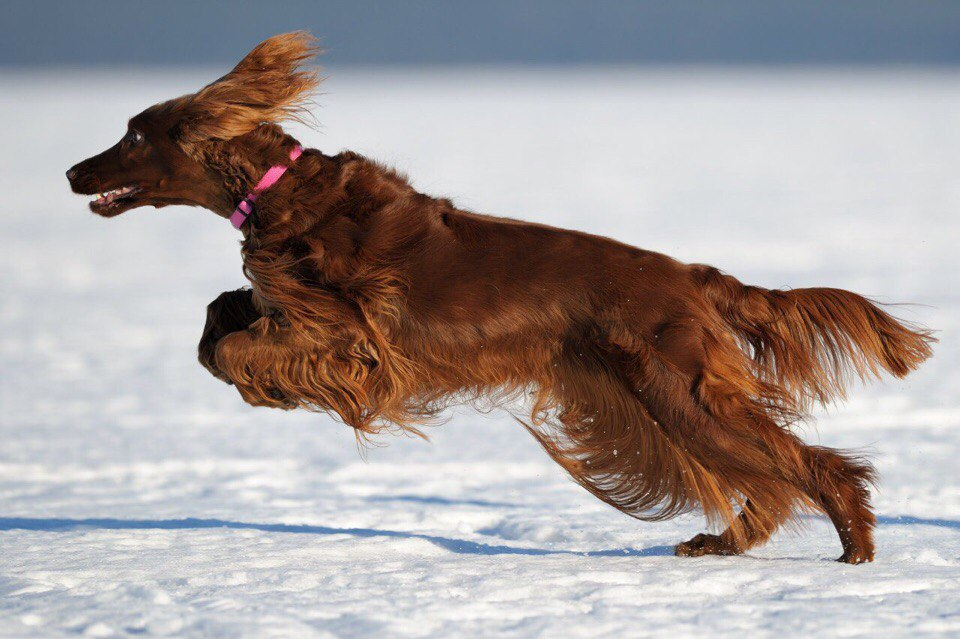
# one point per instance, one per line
(133, 137)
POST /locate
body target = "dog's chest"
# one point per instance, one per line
(260, 303)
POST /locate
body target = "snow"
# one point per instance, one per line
(141, 497)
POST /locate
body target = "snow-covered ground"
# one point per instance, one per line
(141, 497)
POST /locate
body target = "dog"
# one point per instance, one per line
(659, 386)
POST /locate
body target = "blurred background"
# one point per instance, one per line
(495, 32)
(808, 143)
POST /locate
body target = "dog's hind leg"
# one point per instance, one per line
(839, 484)
(756, 525)
(630, 432)
(829, 480)
(739, 449)
(833, 482)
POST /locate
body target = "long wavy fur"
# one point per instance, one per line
(813, 341)
(659, 387)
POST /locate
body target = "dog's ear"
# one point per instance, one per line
(269, 85)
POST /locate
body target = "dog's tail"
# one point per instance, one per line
(813, 341)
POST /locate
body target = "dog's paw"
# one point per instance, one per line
(216, 372)
(704, 544)
(856, 556)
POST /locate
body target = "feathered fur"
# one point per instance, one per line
(658, 386)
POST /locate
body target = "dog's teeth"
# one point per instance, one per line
(108, 197)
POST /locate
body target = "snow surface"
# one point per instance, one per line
(141, 497)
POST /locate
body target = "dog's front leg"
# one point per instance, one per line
(232, 311)
(275, 365)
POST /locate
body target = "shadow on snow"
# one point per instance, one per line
(442, 501)
(459, 546)
(907, 520)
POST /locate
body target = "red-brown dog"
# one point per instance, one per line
(659, 386)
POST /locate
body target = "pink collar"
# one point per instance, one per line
(245, 209)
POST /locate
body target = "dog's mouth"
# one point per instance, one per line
(115, 201)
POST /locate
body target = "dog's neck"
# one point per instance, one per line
(239, 164)
(248, 205)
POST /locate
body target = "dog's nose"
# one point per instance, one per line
(71, 173)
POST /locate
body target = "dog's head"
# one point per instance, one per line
(205, 148)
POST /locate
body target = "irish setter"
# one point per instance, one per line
(658, 386)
